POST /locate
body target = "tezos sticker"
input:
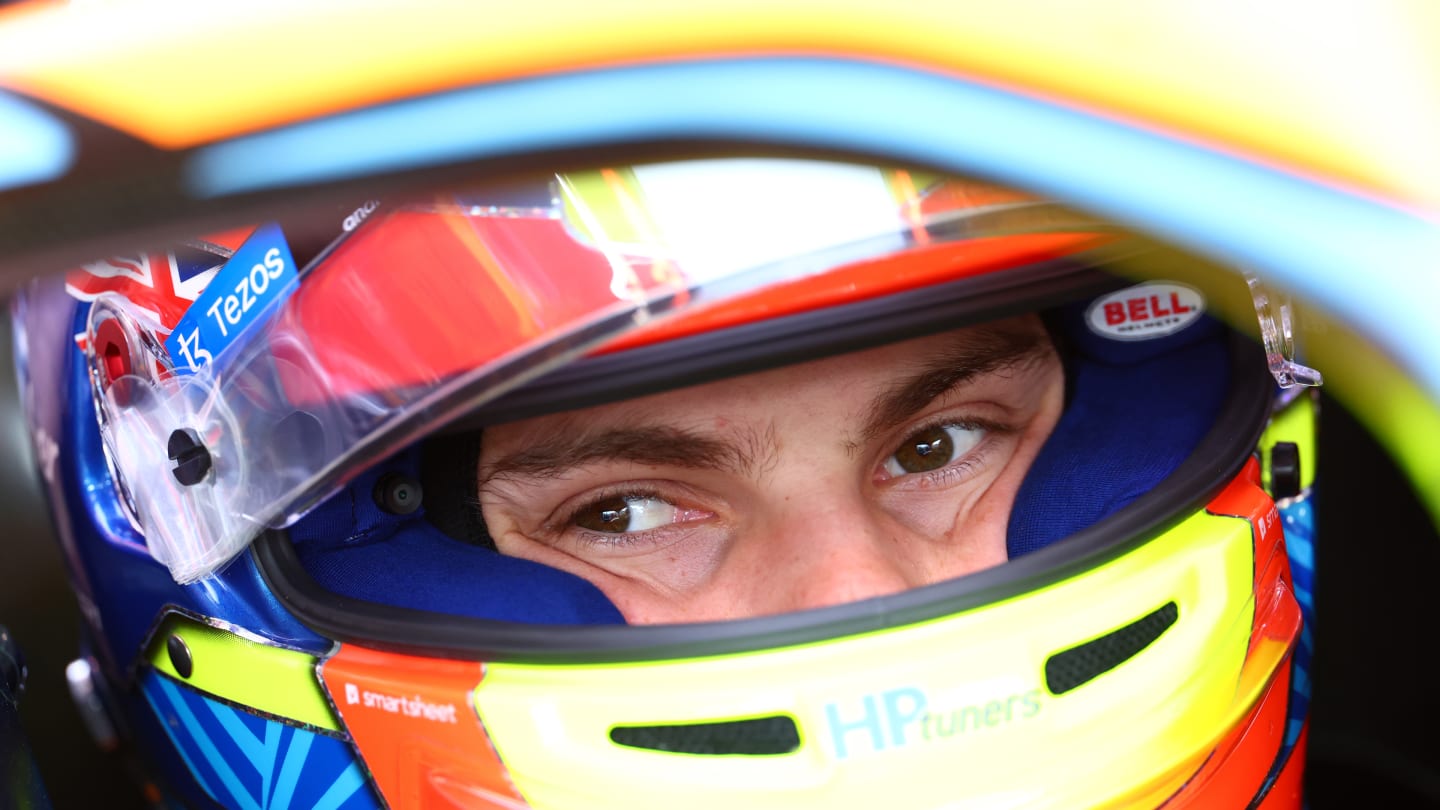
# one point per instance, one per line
(1145, 311)
(253, 282)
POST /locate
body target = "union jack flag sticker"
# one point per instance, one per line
(159, 286)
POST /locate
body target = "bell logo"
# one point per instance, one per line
(1145, 311)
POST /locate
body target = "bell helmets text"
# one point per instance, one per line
(1145, 311)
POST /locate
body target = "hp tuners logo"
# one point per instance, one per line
(905, 716)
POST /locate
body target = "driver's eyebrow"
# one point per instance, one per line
(568, 446)
(973, 353)
(653, 445)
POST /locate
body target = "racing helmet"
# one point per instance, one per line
(290, 468)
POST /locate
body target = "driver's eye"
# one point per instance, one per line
(932, 448)
(620, 514)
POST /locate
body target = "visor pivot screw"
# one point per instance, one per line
(179, 656)
(398, 494)
(192, 460)
(1284, 470)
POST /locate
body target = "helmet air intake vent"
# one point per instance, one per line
(759, 736)
(1079, 665)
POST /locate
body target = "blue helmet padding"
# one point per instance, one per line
(1136, 410)
(353, 548)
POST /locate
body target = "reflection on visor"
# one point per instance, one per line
(426, 311)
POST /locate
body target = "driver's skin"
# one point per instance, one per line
(814, 484)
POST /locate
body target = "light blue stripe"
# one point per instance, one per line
(1301, 680)
(212, 756)
(1292, 732)
(1302, 595)
(1302, 552)
(1310, 238)
(291, 770)
(342, 789)
(34, 146)
(184, 754)
(261, 755)
(274, 732)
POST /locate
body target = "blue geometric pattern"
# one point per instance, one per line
(1298, 516)
(247, 762)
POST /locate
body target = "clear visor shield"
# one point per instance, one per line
(426, 311)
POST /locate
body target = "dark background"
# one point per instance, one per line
(1374, 711)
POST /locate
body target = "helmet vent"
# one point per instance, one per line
(760, 736)
(1079, 665)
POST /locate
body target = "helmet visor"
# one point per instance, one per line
(431, 309)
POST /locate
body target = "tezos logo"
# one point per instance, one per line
(1145, 311)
